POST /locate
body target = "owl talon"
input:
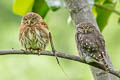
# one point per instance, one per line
(29, 49)
(89, 59)
(82, 58)
(37, 51)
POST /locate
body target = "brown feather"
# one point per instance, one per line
(33, 32)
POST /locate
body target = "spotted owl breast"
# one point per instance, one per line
(88, 43)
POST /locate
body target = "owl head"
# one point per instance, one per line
(85, 28)
(31, 19)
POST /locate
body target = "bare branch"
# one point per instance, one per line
(53, 48)
(59, 54)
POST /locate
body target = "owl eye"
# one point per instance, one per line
(34, 20)
(25, 19)
(91, 29)
(81, 27)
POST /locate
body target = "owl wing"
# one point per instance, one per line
(102, 52)
(21, 31)
(78, 41)
(43, 33)
(97, 49)
(88, 45)
(102, 44)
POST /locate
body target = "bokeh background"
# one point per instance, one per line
(32, 67)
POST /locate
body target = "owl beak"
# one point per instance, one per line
(85, 31)
(29, 22)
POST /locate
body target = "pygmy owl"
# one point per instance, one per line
(90, 44)
(33, 33)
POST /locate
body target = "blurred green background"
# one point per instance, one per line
(31, 67)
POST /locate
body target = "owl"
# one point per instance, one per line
(90, 44)
(33, 32)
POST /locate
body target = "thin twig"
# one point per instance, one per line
(107, 8)
(53, 48)
(54, 52)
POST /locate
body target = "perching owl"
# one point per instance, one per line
(33, 33)
(90, 44)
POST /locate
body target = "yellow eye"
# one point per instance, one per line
(34, 20)
(25, 20)
(81, 27)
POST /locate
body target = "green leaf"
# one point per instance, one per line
(103, 14)
(40, 7)
(94, 11)
(99, 1)
(119, 21)
(21, 7)
(110, 1)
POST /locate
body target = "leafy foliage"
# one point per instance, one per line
(21, 7)
(40, 7)
(103, 14)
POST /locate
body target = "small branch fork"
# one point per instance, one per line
(53, 48)
(59, 54)
(54, 52)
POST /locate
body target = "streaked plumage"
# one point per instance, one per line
(33, 33)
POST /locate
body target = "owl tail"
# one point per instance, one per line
(106, 66)
(102, 58)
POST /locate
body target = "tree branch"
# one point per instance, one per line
(59, 54)
(107, 8)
